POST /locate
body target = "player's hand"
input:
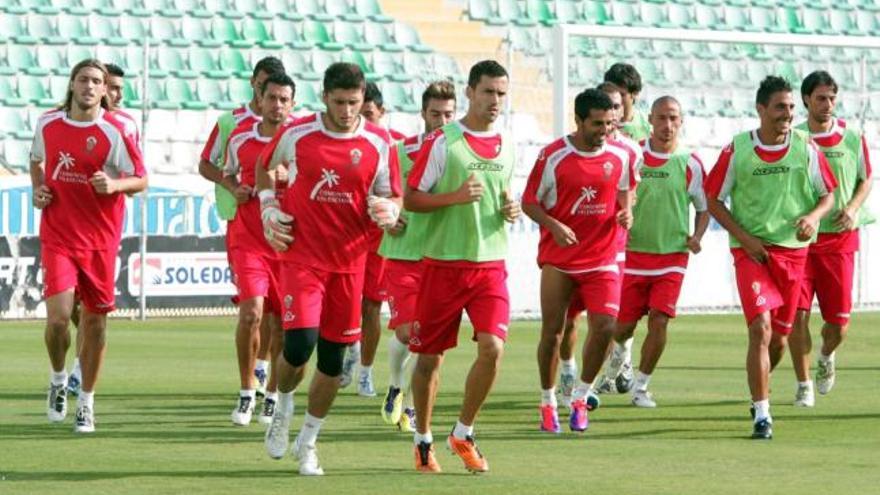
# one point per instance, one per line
(807, 226)
(42, 197)
(755, 249)
(625, 218)
(383, 211)
(563, 235)
(243, 193)
(470, 190)
(845, 219)
(281, 173)
(399, 228)
(511, 209)
(693, 244)
(102, 183)
(276, 225)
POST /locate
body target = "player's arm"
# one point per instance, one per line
(207, 169)
(276, 224)
(846, 219)
(241, 192)
(384, 199)
(537, 186)
(625, 203)
(824, 183)
(696, 177)
(426, 172)
(42, 196)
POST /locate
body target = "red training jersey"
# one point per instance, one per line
(213, 147)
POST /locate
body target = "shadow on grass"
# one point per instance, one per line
(284, 471)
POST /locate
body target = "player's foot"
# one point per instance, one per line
(365, 386)
(425, 460)
(84, 420)
(392, 406)
(752, 411)
(624, 380)
(469, 453)
(578, 420)
(407, 423)
(804, 397)
(352, 358)
(592, 401)
(261, 378)
(241, 415)
(74, 384)
(604, 386)
(825, 377)
(549, 419)
(56, 403)
(278, 435)
(643, 398)
(763, 430)
(267, 412)
(307, 455)
(566, 387)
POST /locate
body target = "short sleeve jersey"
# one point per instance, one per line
(245, 231)
(213, 150)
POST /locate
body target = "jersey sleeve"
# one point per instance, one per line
(38, 146)
(821, 175)
(696, 176)
(232, 165)
(535, 187)
(864, 172)
(282, 149)
(126, 157)
(429, 165)
(208, 150)
(721, 177)
(387, 181)
(627, 180)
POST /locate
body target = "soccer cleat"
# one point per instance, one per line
(605, 386)
(566, 387)
(365, 386)
(352, 358)
(623, 382)
(425, 460)
(615, 361)
(267, 412)
(278, 435)
(261, 378)
(84, 420)
(577, 419)
(241, 415)
(469, 453)
(825, 377)
(804, 396)
(307, 455)
(392, 406)
(592, 401)
(56, 403)
(643, 398)
(549, 419)
(74, 384)
(752, 411)
(407, 423)
(763, 430)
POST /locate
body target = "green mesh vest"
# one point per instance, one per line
(474, 231)
(224, 199)
(768, 198)
(844, 161)
(407, 246)
(638, 129)
(661, 214)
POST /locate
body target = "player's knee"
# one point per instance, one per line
(250, 316)
(330, 357)
(760, 331)
(657, 321)
(490, 347)
(299, 345)
(57, 323)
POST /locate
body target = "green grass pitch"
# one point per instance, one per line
(168, 387)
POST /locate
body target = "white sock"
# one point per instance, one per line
(366, 371)
(355, 350)
(641, 382)
(628, 346)
(408, 400)
(426, 437)
(762, 410)
(58, 377)
(285, 403)
(248, 392)
(273, 396)
(76, 369)
(569, 366)
(86, 399)
(808, 383)
(398, 353)
(581, 391)
(262, 364)
(308, 434)
(409, 365)
(548, 397)
(462, 431)
(826, 359)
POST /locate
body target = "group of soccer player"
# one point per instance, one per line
(332, 214)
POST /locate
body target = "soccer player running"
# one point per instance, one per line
(461, 180)
(342, 171)
(375, 287)
(579, 193)
(115, 85)
(658, 246)
(253, 261)
(82, 165)
(831, 260)
(211, 164)
(633, 123)
(779, 186)
(402, 247)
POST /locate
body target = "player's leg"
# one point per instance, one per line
(276, 339)
(403, 290)
(652, 349)
(94, 330)
(800, 346)
(74, 379)
(568, 367)
(371, 328)
(556, 289)
(247, 336)
(398, 358)
(57, 338)
(600, 328)
(834, 292)
(758, 371)
(425, 383)
(261, 365)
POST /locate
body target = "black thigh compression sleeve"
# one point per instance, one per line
(330, 356)
(299, 345)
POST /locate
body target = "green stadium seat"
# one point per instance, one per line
(398, 98)
(283, 9)
(211, 92)
(186, 5)
(757, 70)
(58, 87)
(202, 61)
(105, 7)
(16, 153)
(709, 17)
(704, 73)
(76, 54)
(13, 27)
(106, 29)
(789, 16)
(254, 30)
(167, 31)
(844, 22)
(114, 55)
(196, 30)
(226, 31)
(315, 33)
(480, 10)
(357, 58)
(233, 61)
(253, 8)
(411, 63)
(567, 12)
(371, 9)
(308, 96)
(8, 94)
(72, 28)
(312, 9)
(31, 88)
(446, 67)
(521, 40)
(379, 35)
(157, 98)
(625, 14)
(737, 19)
(12, 124)
(130, 94)
(285, 31)
(41, 27)
(51, 59)
(22, 59)
(385, 63)
(321, 59)
(595, 12)
(170, 60)
(295, 63)
(818, 21)
(764, 19)
(406, 35)
(653, 14)
(539, 11)
(180, 93)
(509, 11)
(339, 8)
(351, 34)
(134, 59)
(240, 91)
(73, 7)
(133, 29)
(868, 22)
(690, 103)
(677, 72)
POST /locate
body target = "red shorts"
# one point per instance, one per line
(773, 286)
(315, 298)
(91, 273)
(642, 293)
(256, 276)
(375, 286)
(404, 279)
(446, 290)
(829, 276)
(597, 292)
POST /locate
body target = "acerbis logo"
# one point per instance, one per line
(654, 174)
(485, 166)
(776, 169)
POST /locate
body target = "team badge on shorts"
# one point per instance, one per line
(288, 301)
(91, 142)
(756, 287)
(356, 157)
(289, 316)
(414, 334)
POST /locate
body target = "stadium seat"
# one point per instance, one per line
(134, 29)
(41, 28)
(351, 35)
(73, 29)
(379, 36)
(868, 22)
(790, 16)
(16, 153)
(167, 31)
(197, 30)
(285, 31)
(312, 9)
(58, 88)
(709, 16)
(225, 30)
(568, 12)
(737, 19)
(22, 59)
(343, 9)
(371, 9)
(180, 93)
(12, 124)
(8, 94)
(254, 30)
(308, 97)
(13, 27)
(134, 59)
(385, 63)
(233, 61)
(296, 63)
(50, 59)
(407, 36)
(818, 21)
(539, 11)
(169, 59)
(240, 91)
(106, 30)
(397, 98)
(315, 33)
(624, 14)
(203, 61)
(31, 88)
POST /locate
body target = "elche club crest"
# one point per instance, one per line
(607, 167)
(356, 156)
(91, 142)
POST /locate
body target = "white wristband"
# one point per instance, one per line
(266, 195)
